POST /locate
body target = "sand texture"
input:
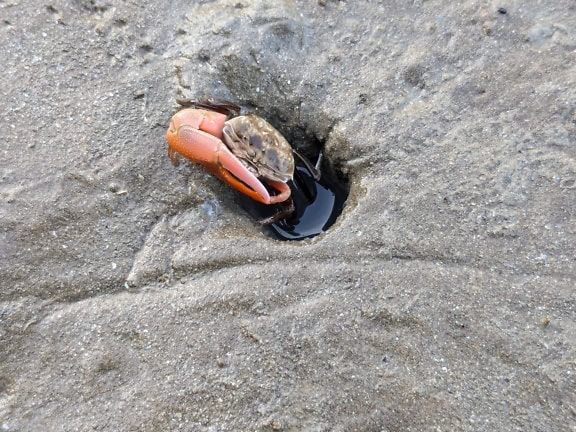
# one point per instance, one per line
(139, 296)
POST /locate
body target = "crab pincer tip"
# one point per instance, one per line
(232, 164)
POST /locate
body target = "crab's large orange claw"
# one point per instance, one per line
(196, 133)
(208, 121)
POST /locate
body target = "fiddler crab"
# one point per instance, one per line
(246, 151)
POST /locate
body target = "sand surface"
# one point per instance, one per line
(138, 296)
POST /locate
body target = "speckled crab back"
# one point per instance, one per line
(260, 147)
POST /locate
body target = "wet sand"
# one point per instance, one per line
(135, 295)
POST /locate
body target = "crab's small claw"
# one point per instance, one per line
(196, 134)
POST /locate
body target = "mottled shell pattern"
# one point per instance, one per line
(260, 147)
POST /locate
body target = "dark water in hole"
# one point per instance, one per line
(318, 204)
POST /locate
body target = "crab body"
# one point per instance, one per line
(260, 147)
(244, 151)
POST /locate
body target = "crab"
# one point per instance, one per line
(246, 151)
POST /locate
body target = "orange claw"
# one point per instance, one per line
(196, 134)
